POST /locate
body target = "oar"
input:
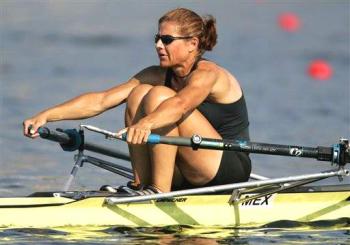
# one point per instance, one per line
(338, 153)
(72, 140)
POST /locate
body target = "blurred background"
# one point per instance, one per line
(291, 58)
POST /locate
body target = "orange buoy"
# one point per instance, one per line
(289, 22)
(320, 70)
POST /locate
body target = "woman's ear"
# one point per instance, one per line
(194, 43)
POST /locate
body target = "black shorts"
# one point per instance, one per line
(234, 167)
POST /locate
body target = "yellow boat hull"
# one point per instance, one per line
(202, 210)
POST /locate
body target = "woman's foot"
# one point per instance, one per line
(135, 186)
(149, 190)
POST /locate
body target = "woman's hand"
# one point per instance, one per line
(31, 125)
(137, 133)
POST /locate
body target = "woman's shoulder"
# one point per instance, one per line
(207, 65)
(211, 66)
(226, 88)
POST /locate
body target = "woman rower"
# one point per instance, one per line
(184, 95)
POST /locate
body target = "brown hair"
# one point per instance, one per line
(191, 24)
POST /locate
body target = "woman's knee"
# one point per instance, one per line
(156, 96)
(136, 96)
(138, 93)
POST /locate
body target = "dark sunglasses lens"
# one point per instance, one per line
(166, 39)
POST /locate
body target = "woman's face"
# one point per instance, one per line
(177, 51)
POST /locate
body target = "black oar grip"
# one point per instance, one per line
(325, 153)
(69, 139)
(60, 137)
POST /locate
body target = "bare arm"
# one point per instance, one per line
(90, 104)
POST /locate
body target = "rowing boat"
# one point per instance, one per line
(251, 204)
(90, 209)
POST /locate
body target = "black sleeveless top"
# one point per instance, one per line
(229, 120)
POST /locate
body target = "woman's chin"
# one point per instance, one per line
(164, 63)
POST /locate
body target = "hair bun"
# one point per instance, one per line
(209, 36)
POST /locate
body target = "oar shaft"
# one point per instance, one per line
(106, 151)
(260, 148)
(338, 153)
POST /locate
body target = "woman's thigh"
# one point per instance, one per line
(198, 166)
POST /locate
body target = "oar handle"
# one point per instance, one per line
(53, 135)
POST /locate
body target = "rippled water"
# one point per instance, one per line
(54, 50)
(284, 232)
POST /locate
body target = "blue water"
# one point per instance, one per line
(52, 51)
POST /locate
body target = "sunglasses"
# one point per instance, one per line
(167, 39)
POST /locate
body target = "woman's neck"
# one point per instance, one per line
(184, 70)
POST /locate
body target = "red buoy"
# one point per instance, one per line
(320, 70)
(289, 22)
